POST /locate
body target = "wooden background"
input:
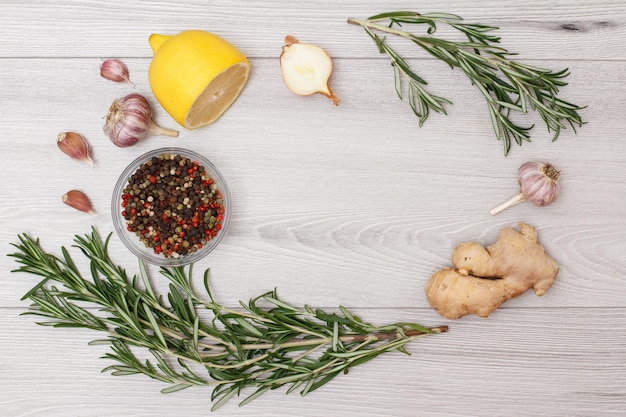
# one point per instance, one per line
(352, 205)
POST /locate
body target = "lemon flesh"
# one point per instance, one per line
(217, 96)
(196, 76)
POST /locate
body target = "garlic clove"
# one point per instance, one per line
(75, 146)
(538, 183)
(306, 69)
(78, 200)
(115, 70)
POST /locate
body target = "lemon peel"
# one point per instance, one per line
(196, 76)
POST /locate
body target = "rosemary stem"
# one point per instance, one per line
(256, 348)
(427, 44)
(241, 364)
(345, 339)
(178, 336)
(506, 85)
(244, 314)
(321, 369)
(306, 342)
(309, 352)
(382, 28)
(162, 309)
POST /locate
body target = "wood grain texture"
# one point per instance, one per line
(522, 361)
(352, 205)
(537, 29)
(369, 198)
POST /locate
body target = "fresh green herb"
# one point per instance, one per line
(505, 84)
(263, 345)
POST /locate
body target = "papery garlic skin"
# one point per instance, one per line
(75, 146)
(78, 200)
(130, 119)
(538, 183)
(306, 69)
(115, 70)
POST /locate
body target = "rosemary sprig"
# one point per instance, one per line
(264, 345)
(505, 84)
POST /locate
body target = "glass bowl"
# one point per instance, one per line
(168, 213)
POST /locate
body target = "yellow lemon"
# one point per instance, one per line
(196, 76)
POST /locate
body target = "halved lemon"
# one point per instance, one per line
(196, 76)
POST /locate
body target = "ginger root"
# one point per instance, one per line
(485, 277)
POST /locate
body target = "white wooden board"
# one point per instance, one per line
(352, 205)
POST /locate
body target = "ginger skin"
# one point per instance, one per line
(485, 277)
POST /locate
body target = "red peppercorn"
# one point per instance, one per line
(166, 182)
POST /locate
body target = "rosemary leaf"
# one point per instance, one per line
(252, 348)
(505, 84)
(175, 388)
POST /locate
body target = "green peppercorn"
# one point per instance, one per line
(168, 195)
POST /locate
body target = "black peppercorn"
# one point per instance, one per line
(166, 203)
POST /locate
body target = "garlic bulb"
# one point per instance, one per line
(306, 69)
(75, 146)
(115, 70)
(79, 201)
(538, 183)
(129, 120)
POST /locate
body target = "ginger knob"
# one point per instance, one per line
(485, 277)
